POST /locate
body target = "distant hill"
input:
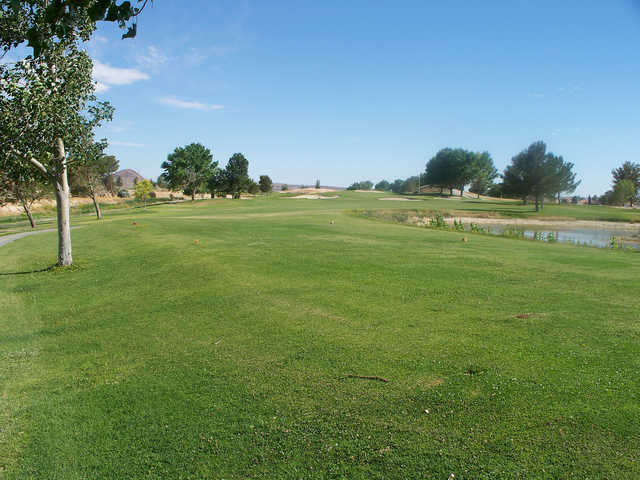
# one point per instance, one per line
(128, 177)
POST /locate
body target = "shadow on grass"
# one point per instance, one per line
(47, 269)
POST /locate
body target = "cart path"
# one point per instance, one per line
(15, 236)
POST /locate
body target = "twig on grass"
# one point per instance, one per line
(367, 377)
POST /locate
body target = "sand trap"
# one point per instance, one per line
(398, 199)
(310, 190)
(315, 197)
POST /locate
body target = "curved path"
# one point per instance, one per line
(15, 236)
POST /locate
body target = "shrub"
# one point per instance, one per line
(123, 193)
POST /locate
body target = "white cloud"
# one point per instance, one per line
(152, 59)
(107, 76)
(115, 143)
(174, 102)
(101, 87)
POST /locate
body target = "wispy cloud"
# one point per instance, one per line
(116, 143)
(152, 58)
(536, 95)
(191, 105)
(106, 76)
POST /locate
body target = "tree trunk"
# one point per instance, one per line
(61, 186)
(27, 210)
(193, 196)
(97, 207)
(537, 204)
(451, 191)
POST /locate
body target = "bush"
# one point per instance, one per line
(123, 193)
(152, 194)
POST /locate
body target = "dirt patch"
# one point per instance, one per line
(528, 315)
(431, 383)
(16, 209)
(399, 199)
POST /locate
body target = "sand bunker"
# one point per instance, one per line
(315, 197)
(398, 199)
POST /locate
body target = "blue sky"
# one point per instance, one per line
(345, 91)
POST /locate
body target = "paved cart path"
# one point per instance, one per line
(15, 236)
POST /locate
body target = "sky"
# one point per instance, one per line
(345, 91)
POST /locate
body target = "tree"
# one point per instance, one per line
(365, 185)
(383, 185)
(317, 183)
(92, 170)
(266, 185)
(483, 173)
(118, 181)
(143, 190)
(284, 188)
(42, 99)
(625, 191)
(189, 168)
(451, 168)
(236, 175)
(47, 110)
(253, 187)
(398, 186)
(564, 178)
(23, 186)
(628, 171)
(534, 172)
(162, 182)
(46, 24)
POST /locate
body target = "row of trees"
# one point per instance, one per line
(534, 174)
(193, 170)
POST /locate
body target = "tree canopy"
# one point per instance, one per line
(451, 168)
(189, 168)
(483, 173)
(364, 185)
(266, 185)
(625, 191)
(45, 23)
(383, 185)
(236, 175)
(628, 171)
(534, 172)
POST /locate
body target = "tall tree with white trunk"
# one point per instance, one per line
(47, 109)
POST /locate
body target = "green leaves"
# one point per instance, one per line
(189, 168)
(45, 24)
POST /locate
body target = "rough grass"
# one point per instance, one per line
(157, 356)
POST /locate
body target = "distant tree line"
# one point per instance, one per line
(192, 170)
(534, 174)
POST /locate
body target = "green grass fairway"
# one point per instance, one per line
(211, 341)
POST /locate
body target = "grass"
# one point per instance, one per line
(157, 356)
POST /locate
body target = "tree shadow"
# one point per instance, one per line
(46, 269)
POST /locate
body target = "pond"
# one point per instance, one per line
(580, 236)
(579, 232)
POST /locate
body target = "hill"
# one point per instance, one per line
(129, 177)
